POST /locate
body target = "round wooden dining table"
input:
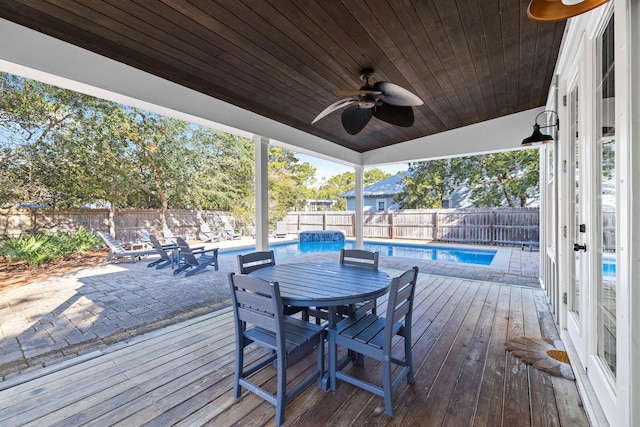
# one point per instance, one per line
(326, 284)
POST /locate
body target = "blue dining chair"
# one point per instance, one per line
(354, 257)
(257, 303)
(253, 261)
(372, 336)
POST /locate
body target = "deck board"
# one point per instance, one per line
(183, 374)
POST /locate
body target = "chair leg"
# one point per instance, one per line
(237, 389)
(281, 393)
(387, 386)
(333, 355)
(408, 358)
(320, 365)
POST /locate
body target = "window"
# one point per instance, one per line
(382, 205)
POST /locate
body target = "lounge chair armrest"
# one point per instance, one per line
(202, 251)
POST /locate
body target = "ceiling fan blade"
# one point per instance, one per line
(396, 95)
(333, 107)
(354, 119)
(356, 92)
(394, 114)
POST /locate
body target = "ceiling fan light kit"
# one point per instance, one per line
(383, 100)
(559, 10)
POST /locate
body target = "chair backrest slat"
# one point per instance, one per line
(186, 252)
(113, 244)
(401, 310)
(253, 317)
(359, 257)
(257, 302)
(255, 260)
(400, 303)
(158, 247)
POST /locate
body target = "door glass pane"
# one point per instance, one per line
(577, 236)
(606, 128)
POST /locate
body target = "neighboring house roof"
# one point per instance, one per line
(386, 187)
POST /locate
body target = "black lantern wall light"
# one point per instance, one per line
(538, 137)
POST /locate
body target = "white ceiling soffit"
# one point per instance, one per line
(502, 134)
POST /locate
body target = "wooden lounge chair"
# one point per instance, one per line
(281, 230)
(187, 258)
(168, 235)
(168, 253)
(230, 233)
(207, 234)
(119, 252)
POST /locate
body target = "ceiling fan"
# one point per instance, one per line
(383, 100)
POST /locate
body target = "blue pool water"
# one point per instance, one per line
(609, 267)
(425, 252)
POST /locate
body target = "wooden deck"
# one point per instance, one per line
(183, 374)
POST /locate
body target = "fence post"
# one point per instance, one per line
(436, 226)
(392, 225)
(353, 224)
(492, 217)
(324, 220)
(34, 222)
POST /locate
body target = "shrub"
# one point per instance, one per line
(41, 248)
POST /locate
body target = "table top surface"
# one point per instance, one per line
(325, 283)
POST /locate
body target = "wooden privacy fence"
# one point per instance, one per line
(128, 222)
(501, 226)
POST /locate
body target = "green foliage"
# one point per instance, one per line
(427, 186)
(63, 149)
(41, 248)
(288, 183)
(344, 182)
(511, 176)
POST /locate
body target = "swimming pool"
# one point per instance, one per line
(485, 257)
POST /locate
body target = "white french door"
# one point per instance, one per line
(591, 224)
(577, 229)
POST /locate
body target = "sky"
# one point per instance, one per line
(326, 169)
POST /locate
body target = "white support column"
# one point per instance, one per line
(359, 206)
(261, 152)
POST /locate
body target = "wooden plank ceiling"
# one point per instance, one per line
(469, 60)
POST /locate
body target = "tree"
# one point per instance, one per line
(427, 185)
(289, 181)
(344, 182)
(31, 115)
(65, 149)
(512, 176)
(509, 178)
